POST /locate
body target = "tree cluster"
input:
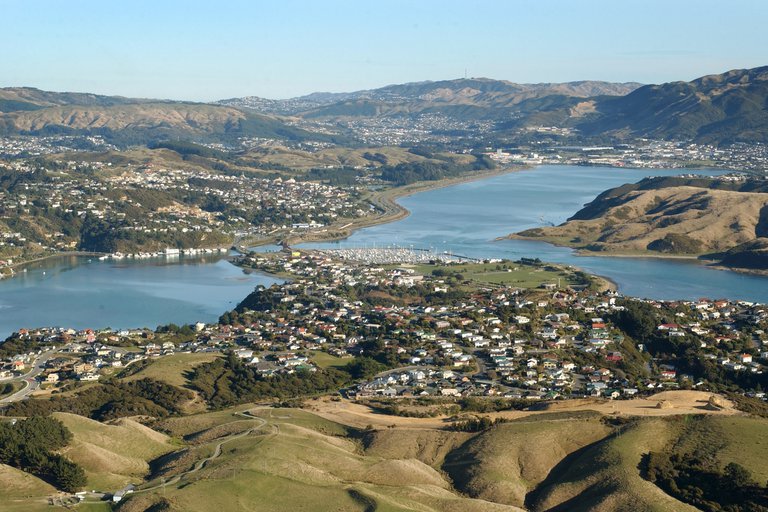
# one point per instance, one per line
(30, 445)
(227, 381)
(146, 397)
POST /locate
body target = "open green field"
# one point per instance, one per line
(326, 360)
(173, 368)
(746, 442)
(94, 507)
(505, 274)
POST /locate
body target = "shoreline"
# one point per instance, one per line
(712, 263)
(64, 254)
(387, 200)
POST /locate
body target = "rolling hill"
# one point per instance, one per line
(263, 458)
(126, 121)
(467, 98)
(677, 216)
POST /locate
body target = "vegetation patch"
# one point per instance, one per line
(144, 397)
(690, 471)
(31, 445)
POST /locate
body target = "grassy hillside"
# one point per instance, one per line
(605, 476)
(299, 461)
(115, 454)
(261, 458)
(22, 492)
(689, 218)
(508, 461)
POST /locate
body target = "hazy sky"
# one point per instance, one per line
(198, 50)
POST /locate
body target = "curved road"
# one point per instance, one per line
(30, 378)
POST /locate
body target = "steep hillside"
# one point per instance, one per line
(670, 216)
(507, 462)
(115, 454)
(728, 107)
(605, 476)
(22, 492)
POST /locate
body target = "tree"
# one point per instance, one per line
(738, 475)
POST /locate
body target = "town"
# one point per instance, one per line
(141, 210)
(518, 330)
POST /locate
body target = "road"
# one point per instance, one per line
(30, 378)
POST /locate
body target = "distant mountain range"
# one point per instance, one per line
(489, 98)
(726, 108)
(128, 121)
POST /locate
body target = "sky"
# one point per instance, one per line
(208, 50)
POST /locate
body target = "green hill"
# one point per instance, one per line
(262, 458)
(113, 454)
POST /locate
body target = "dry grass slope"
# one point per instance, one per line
(605, 476)
(113, 454)
(22, 492)
(717, 219)
(506, 462)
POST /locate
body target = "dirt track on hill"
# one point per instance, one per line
(358, 415)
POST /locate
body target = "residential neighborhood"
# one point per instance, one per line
(437, 334)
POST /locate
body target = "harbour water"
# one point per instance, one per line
(81, 292)
(467, 218)
(464, 219)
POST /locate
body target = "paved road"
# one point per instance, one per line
(30, 378)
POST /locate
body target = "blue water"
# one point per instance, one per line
(467, 218)
(82, 292)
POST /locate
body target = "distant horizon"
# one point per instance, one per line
(183, 100)
(193, 50)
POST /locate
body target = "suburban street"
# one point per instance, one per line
(30, 378)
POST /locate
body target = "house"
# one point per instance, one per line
(668, 374)
(52, 377)
(82, 368)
